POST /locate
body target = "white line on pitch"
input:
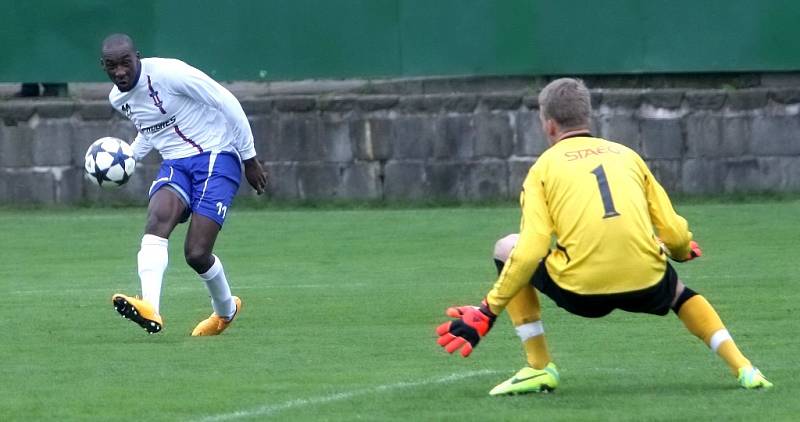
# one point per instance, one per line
(83, 291)
(272, 409)
(717, 276)
(187, 289)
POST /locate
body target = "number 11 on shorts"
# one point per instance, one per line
(222, 209)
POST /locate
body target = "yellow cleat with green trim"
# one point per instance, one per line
(529, 380)
(751, 378)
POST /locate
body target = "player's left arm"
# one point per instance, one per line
(255, 174)
(197, 85)
(535, 231)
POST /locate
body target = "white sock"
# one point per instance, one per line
(153, 259)
(220, 291)
(719, 337)
(529, 330)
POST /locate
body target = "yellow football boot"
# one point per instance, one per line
(529, 380)
(751, 378)
(139, 311)
(215, 324)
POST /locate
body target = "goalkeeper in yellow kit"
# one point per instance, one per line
(613, 226)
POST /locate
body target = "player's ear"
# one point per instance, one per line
(551, 129)
(138, 54)
(543, 122)
(547, 126)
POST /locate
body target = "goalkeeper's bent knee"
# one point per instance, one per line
(499, 264)
(685, 295)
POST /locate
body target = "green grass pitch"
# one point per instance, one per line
(338, 322)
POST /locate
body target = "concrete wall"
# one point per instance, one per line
(399, 147)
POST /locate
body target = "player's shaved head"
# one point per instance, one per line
(118, 42)
(120, 60)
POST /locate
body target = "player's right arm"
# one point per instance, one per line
(474, 322)
(536, 228)
(672, 229)
(141, 146)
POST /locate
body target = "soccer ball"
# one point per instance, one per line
(109, 162)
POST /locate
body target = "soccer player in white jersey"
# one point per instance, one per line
(204, 138)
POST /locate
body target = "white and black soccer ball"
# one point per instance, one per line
(109, 162)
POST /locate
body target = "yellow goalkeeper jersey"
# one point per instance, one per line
(601, 203)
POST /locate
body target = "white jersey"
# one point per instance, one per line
(181, 112)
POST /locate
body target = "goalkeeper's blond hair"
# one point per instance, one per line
(567, 101)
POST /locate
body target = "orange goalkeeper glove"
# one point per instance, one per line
(694, 251)
(471, 323)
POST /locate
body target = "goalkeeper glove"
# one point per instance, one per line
(471, 323)
(694, 251)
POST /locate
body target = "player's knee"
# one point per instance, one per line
(682, 297)
(158, 228)
(160, 222)
(198, 258)
(164, 212)
(502, 248)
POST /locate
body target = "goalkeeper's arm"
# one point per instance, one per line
(473, 322)
(531, 247)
